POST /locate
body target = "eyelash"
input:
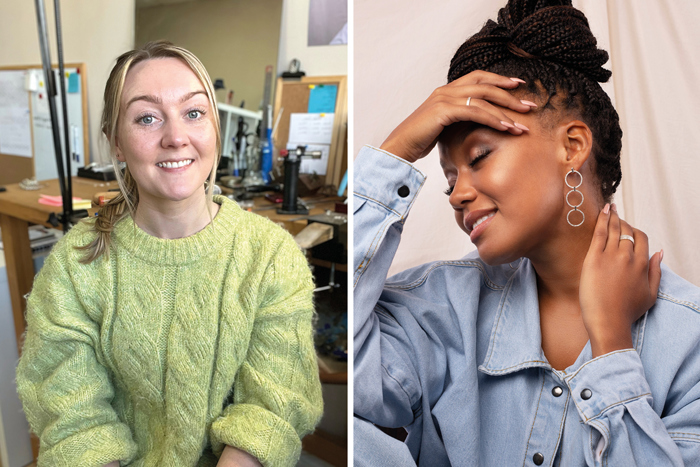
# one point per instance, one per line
(140, 118)
(482, 154)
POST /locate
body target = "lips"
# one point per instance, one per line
(174, 164)
(476, 218)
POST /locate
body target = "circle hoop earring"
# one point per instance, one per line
(574, 190)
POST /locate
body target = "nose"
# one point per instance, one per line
(463, 191)
(174, 134)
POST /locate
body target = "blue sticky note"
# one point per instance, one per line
(322, 98)
(74, 82)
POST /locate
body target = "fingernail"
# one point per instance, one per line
(606, 209)
(614, 208)
(661, 256)
(530, 103)
(517, 80)
(521, 126)
(506, 124)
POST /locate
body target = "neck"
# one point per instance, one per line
(558, 264)
(174, 219)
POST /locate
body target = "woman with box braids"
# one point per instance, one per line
(565, 62)
(557, 341)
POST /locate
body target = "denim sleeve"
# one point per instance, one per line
(385, 380)
(613, 398)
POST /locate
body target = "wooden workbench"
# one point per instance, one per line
(18, 209)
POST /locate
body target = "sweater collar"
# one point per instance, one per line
(131, 237)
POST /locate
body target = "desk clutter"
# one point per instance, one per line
(40, 238)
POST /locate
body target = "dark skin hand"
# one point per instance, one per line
(618, 282)
(416, 136)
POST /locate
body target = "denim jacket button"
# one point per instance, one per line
(557, 391)
(404, 191)
(586, 394)
(538, 458)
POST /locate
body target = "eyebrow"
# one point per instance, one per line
(158, 101)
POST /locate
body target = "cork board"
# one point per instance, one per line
(292, 96)
(16, 168)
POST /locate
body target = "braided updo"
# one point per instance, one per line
(549, 44)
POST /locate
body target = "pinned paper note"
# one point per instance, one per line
(74, 82)
(15, 130)
(311, 128)
(322, 98)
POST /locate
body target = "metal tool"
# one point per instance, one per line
(292, 163)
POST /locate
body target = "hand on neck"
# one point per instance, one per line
(174, 219)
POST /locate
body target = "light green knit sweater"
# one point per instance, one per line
(168, 350)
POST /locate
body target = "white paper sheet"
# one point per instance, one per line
(15, 130)
(311, 128)
(309, 165)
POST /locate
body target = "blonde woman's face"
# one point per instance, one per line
(166, 132)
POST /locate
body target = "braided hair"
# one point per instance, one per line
(549, 44)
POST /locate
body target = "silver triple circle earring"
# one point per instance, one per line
(574, 190)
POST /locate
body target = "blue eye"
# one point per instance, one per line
(146, 119)
(194, 114)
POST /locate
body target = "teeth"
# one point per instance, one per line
(482, 219)
(174, 165)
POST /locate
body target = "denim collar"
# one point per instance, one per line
(516, 339)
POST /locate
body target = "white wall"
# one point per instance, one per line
(94, 32)
(325, 60)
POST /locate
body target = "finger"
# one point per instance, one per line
(486, 77)
(513, 127)
(492, 94)
(600, 233)
(625, 243)
(476, 114)
(613, 229)
(655, 273)
(641, 244)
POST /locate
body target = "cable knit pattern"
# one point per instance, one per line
(165, 351)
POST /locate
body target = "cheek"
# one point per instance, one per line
(137, 145)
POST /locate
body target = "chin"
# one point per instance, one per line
(496, 258)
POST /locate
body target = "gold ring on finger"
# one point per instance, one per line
(627, 237)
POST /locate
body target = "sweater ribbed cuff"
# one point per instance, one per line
(91, 448)
(259, 432)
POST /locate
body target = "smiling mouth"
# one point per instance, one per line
(480, 220)
(174, 164)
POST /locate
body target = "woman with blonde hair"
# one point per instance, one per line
(174, 328)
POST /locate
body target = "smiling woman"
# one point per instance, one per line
(560, 341)
(174, 328)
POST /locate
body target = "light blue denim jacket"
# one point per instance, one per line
(451, 350)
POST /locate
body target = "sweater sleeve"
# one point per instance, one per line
(277, 392)
(65, 390)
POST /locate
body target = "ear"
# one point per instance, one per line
(119, 155)
(577, 140)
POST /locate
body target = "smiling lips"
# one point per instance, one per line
(174, 164)
(476, 221)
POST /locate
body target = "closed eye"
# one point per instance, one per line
(483, 153)
(449, 190)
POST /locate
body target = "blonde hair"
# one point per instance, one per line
(128, 199)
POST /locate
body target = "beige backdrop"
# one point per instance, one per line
(402, 52)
